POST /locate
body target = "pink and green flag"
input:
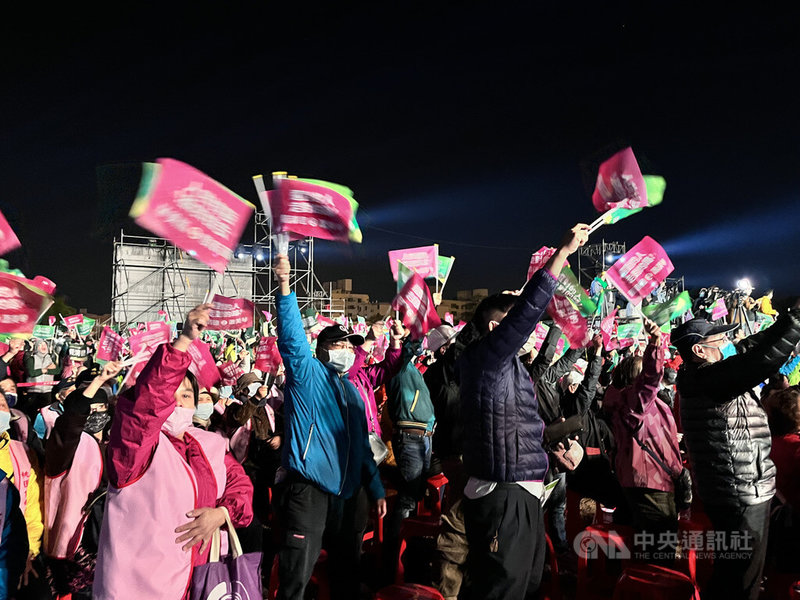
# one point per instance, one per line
(8, 239)
(667, 311)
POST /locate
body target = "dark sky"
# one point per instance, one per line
(477, 125)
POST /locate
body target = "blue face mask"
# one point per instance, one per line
(727, 350)
(11, 399)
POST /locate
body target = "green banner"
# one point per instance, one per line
(667, 311)
(629, 330)
(44, 331)
(86, 327)
(569, 287)
(445, 266)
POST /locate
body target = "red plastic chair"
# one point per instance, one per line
(420, 526)
(651, 582)
(603, 552)
(435, 488)
(408, 591)
(319, 578)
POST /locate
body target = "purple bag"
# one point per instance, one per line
(237, 576)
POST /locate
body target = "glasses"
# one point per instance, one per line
(340, 345)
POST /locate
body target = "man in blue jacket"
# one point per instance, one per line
(503, 454)
(327, 454)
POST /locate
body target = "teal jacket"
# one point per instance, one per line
(325, 424)
(409, 400)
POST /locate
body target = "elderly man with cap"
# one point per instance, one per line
(728, 439)
(327, 455)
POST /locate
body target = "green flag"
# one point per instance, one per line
(44, 331)
(445, 265)
(404, 273)
(86, 327)
(569, 287)
(629, 330)
(667, 311)
(655, 185)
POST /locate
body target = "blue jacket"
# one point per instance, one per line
(502, 426)
(325, 424)
(13, 537)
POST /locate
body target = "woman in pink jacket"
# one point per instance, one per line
(169, 484)
(647, 442)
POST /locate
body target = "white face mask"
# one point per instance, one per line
(178, 422)
(341, 359)
(204, 411)
(5, 421)
(253, 388)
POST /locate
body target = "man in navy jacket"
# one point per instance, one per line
(503, 454)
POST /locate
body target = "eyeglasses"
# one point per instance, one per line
(341, 345)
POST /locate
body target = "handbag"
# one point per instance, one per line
(379, 449)
(682, 481)
(235, 576)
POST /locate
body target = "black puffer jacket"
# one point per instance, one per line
(725, 428)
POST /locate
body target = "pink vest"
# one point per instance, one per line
(22, 470)
(20, 423)
(240, 441)
(49, 417)
(138, 557)
(65, 496)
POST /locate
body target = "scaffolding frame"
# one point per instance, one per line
(130, 304)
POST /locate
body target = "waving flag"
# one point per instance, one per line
(8, 239)
(416, 307)
(227, 314)
(619, 183)
(569, 320)
(423, 260)
(607, 326)
(22, 302)
(640, 270)
(667, 311)
(315, 208)
(203, 365)
(110, 345)
(191, 210)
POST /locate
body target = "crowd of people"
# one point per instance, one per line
(114, 488)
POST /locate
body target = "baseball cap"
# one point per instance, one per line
(439, 336)
(695, 330)
(336, 333)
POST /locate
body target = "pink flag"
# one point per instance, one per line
(110, 345)
(267, 315)
(448, 318)
(423, 260)
(416, 307)
(640, 270)
(73, 321)
(620, 183)
(570, 321)
(21, 303)
(309, 210)
(230, 373)
(160, 326)
(146, 342)
(719, 309)
(607, 330)
(539, 335)
(191, 210)
(227, 314)
(8, 239)
(539, 259)
(51, 321)
(268, 359)
(44, 284)
(203, 366)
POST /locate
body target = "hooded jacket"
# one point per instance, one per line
(325, 423)
(502, 426)
(725, 428)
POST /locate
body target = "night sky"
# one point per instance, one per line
(477, 125)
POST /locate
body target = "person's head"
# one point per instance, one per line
(626, 372)
(438, 340)
(700, 341)
(41, 347)
(769, 294)
(5, 415)
(783, 411)
(336, 347)
(8, 387)
(571, 381)
(99, 420)
(669, 378)
(186, 396)
(492, 310)
(205, 404)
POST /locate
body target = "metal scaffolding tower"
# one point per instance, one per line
(593, 259)
(150, 275)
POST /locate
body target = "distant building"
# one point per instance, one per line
(344, 301)
(463, 307)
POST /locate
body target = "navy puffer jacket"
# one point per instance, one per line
(502, 426)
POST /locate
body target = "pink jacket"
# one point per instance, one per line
(368, 378)
(195, 472)
(637, 411)
(65, 496)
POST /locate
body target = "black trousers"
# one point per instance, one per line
(505, 533)
(656, 520)
(314, 519)
(737, 570)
